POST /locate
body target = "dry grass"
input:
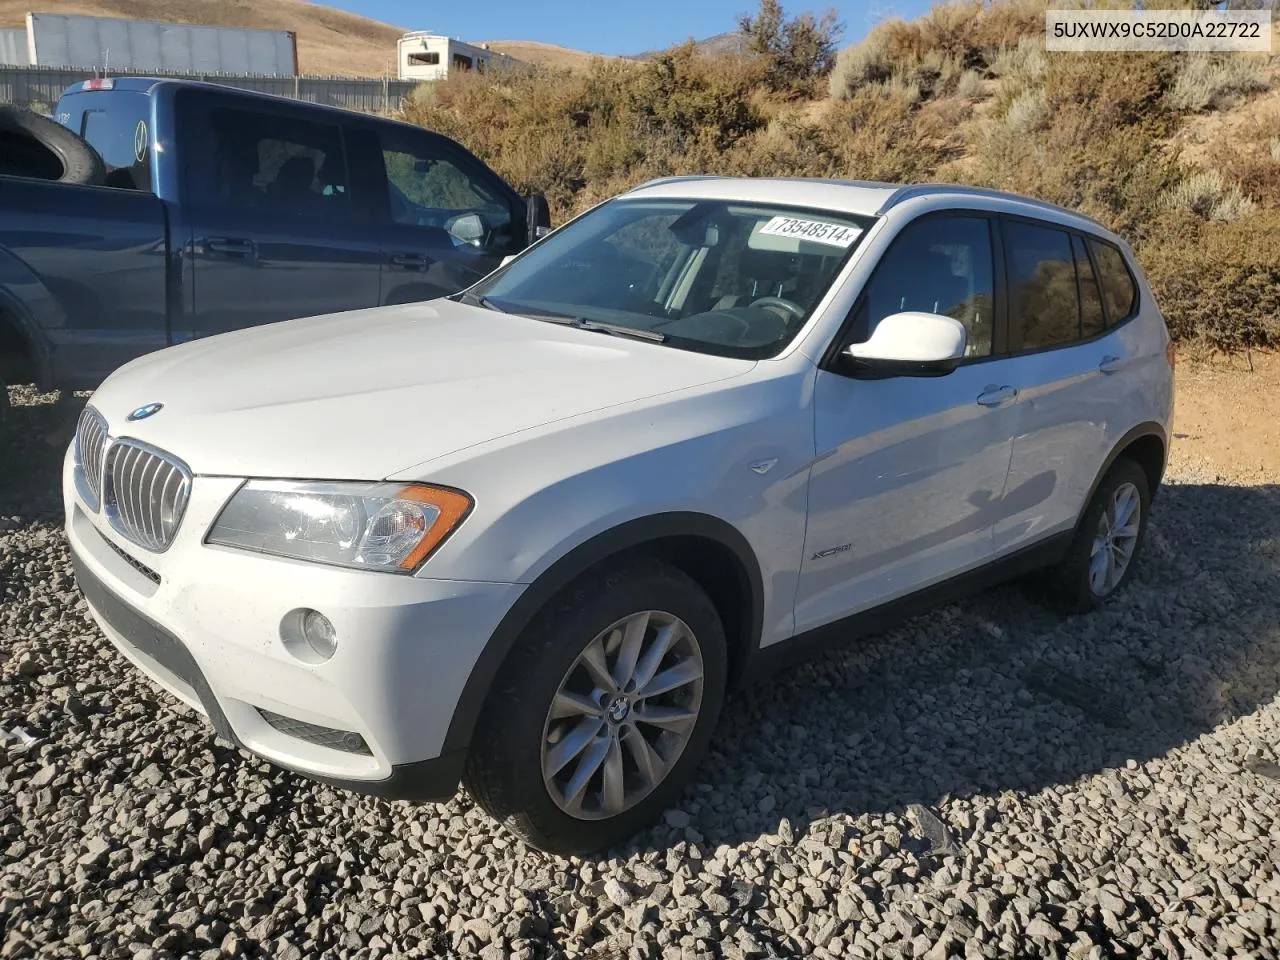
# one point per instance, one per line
(329, 41)
(548, 54)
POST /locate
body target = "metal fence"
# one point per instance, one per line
(41, 87)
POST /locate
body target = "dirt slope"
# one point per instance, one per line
(545, 54)
(1225, 416)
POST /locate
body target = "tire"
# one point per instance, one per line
(35, 146)
(516, 737)
(6, 415)
(1072, 584)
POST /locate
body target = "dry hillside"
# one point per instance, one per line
(329, 41)
(547, 54)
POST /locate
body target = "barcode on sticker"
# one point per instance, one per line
(818, 231)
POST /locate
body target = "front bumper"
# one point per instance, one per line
(209, 632)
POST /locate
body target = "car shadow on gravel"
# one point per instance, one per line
(32, 444)
(998, 693)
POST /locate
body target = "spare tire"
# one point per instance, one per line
(35, 146)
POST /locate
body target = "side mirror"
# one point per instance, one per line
(468, 228)
(537, 217)
(909, 344)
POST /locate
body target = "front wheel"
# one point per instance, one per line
(603, 709)
(1104, 552)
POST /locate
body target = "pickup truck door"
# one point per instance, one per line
(447, 219)
(276, 231)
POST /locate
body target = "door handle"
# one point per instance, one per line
(409, 261)
(231, 247)
(1112, 364)
(995, 396)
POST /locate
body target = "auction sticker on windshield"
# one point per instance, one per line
(818, 231)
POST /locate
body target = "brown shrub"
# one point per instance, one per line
(1219, 283)
(1252, 159)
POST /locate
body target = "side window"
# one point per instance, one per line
(1044, 307)
(276, 165)
(431, 187)
(1118, 290)
(121, 134)
(939, 265)
(1092, 321)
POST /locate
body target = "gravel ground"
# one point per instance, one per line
(987, 780)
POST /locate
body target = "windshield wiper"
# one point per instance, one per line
(469, 297)
(599, 326)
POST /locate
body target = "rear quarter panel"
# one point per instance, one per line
(88, 266)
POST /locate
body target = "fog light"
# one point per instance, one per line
(309, 635)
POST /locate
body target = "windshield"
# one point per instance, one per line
(735, 279)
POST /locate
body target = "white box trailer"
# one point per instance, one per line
(140, 46)
(13, 48)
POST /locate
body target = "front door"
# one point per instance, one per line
(276, 231)
(450, 220)
(909, 478)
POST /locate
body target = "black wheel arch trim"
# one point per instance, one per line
(628, 536)
(1148, 429)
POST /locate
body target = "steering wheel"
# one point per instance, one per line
(786, 307)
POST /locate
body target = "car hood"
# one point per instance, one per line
(367, 394)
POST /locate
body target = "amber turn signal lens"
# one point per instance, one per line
(453, 507)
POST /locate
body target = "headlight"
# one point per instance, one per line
(369, 526)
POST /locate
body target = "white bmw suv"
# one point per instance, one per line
(528, 537)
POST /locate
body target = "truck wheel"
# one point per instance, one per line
(35, 146)
(6, 415)
(603, 710)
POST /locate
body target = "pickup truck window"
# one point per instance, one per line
(121, 133)
(432, 188)
(283, 166)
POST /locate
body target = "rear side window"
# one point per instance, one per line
(939, 265)
(1044, 307)
(1092, 320)
(275, 165)
(1119, 292)
(118, 126)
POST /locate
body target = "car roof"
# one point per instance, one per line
(867, 198)
(147, 85)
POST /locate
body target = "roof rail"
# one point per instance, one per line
(676, 179)
(914, 190)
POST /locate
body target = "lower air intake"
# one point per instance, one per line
(345, 740)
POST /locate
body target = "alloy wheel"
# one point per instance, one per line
(1115, 540)
(622, 715)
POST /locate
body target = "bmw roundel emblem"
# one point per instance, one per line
(150, 410)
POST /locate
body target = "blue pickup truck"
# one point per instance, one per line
(217, 209)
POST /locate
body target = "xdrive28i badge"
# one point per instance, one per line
(150, 410)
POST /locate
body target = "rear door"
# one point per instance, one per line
(1067, 351)
(446, 219)
(277, 230)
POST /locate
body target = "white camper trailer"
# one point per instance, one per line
(427, 56)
